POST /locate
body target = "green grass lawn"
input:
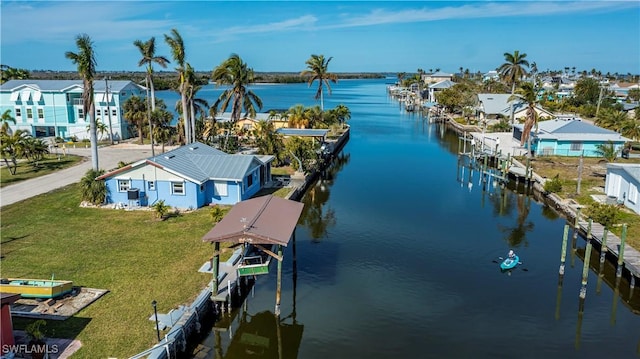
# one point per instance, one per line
(27, 170)
(130, 253)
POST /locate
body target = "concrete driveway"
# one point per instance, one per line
(108, 158)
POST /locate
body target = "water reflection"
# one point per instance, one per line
(262, 335)
(316, 215)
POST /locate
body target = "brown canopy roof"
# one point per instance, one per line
(260, 220)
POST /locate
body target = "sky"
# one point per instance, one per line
(358, 36)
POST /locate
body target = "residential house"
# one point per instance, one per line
(622, 183)
(431, 78)
(569, 137)
(491, 75)
(246, 123)
(495, 106)
(437, 87)
(47, 108)
(189, 176)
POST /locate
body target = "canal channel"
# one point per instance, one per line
(396, 257)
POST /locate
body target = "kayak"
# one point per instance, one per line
(509, 263)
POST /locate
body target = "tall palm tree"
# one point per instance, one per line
(317, 69)
(86, 61)
(176, 44)
(513, 70)
(298, 117)
(234, 72)
(528, 94)
(148, 51)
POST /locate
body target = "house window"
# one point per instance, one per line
(40, 114)
(220, 188)
(633, 193)
(98, 112)
(29, 114)
(114, 112)
(177, 188)
(124, 185)
(151, 185)
(18, 112)
(80, 113)
(202, 188)
(576, 146)
(250, 180)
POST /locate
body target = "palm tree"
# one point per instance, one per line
(135, 111)
(92, 190)
(513, 70)
(101, 128)
(86, 61)
(528, 94)
(9, 73)
(148, 51)
(177, 50)
(6, 119)
(12, 147)
(343, 114)
(317, 69)
(234, 72)
(195, 105)
(298, 117)
(608, 151)
(163, 130)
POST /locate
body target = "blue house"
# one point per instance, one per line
(189, 177)
(570, 137)
(48, 108)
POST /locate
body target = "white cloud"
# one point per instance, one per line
(479, 10)
(62, 21)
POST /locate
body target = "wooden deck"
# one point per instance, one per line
(227, 275)
(630, 255)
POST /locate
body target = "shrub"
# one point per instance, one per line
(92, 190)
(605, 214)
(553, 185)
(161, 209)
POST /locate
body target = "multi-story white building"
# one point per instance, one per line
(48, 108)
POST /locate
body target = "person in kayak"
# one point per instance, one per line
(512, 254)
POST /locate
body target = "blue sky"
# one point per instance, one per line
(361, 36)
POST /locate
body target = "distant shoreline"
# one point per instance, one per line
(164, 80)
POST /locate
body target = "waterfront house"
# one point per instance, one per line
(246, 123)
(569, 137)
(189, 176)
(437, 87)
(494, 106)
(430, 78)
(622, 183)
(48, 108)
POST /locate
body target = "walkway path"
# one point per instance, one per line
(108, 158)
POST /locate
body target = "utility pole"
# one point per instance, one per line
(599, 98)
(107, 99)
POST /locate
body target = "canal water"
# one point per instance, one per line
(397, 257)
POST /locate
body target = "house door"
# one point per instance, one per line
(613, 189)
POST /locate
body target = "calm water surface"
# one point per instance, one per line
(395, 258)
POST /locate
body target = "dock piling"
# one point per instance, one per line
(563, 253)
(623, 238)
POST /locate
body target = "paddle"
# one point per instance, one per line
(498, 260)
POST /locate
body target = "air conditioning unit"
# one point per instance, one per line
(133, 194)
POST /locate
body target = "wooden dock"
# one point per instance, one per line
(630, 255)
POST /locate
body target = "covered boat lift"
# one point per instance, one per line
(261, 222)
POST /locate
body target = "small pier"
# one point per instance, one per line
(613, 244)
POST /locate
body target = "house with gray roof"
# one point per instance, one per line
(622, 183)
(47, 108)
(437, 87)
(570, 137)
(493, 106)
(189, 176)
